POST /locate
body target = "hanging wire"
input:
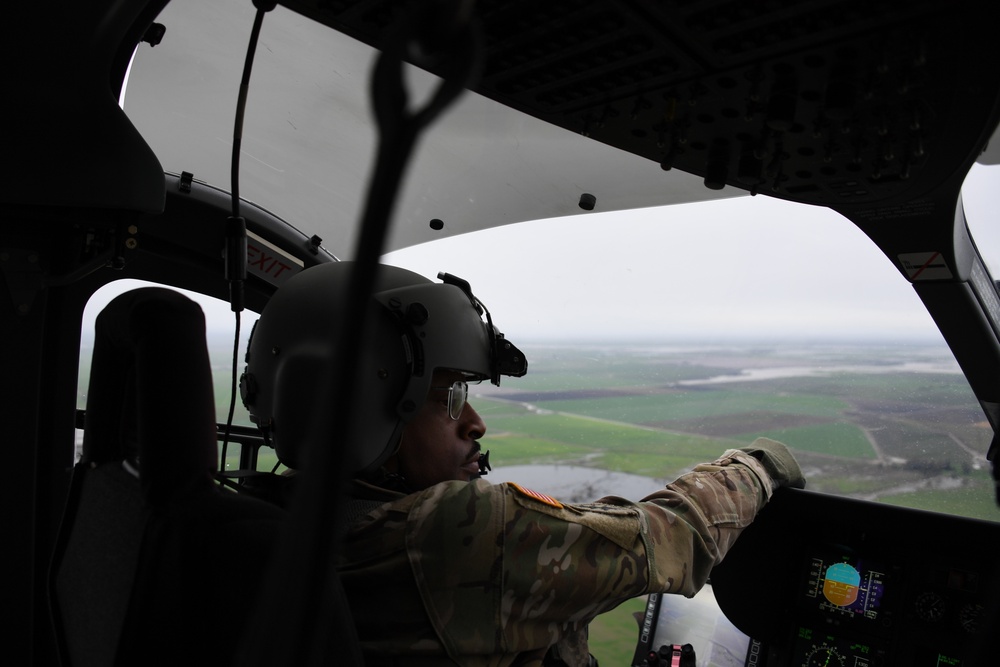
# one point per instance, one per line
(232, 396)
(236, 233)
(241, 103)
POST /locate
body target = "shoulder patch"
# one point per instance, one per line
(535, 495)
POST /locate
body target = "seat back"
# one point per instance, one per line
(163, 568)
(97, 561)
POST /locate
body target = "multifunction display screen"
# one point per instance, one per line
(845, 585)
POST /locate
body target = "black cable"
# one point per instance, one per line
(232, 395)
(236, 254)
(236, 273)
(241, 103)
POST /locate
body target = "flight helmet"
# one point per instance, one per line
(414, 327)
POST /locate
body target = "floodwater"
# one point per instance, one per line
(576, 484)
(753, 374)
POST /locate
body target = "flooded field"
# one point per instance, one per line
(576, 484)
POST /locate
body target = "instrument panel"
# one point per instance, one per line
(825, 581)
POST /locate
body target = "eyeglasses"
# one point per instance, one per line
(458, 394)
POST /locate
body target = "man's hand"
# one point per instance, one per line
(778, 461)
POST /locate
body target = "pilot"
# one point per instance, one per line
(439, 565)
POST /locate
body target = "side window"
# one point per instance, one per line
(220, 331)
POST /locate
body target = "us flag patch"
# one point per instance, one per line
(535, 495)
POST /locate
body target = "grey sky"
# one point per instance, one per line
(749, 267)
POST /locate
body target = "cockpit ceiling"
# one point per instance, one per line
(309, 140)
(850, 105)
(827, 102)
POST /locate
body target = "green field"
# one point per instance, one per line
(862, 426)
(613, 635)
(653, 405)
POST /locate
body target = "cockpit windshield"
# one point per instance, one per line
(670, 318)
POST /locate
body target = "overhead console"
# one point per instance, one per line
(825, 580)
(826, 102)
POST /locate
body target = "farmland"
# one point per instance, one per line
(894, 424)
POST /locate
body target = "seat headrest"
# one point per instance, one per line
(151, 394)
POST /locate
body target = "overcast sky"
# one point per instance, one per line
(750, 267)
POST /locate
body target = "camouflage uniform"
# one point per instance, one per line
(483, 574)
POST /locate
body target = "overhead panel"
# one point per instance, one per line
(827, 102)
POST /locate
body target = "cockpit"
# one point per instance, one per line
(735, 220)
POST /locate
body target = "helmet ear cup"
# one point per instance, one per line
(302, 416)
(293, 364)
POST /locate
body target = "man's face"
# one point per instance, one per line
(436, 448)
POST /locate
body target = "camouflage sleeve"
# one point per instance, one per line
(694, 521)
(502, 569)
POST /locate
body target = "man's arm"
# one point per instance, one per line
(534, 568)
